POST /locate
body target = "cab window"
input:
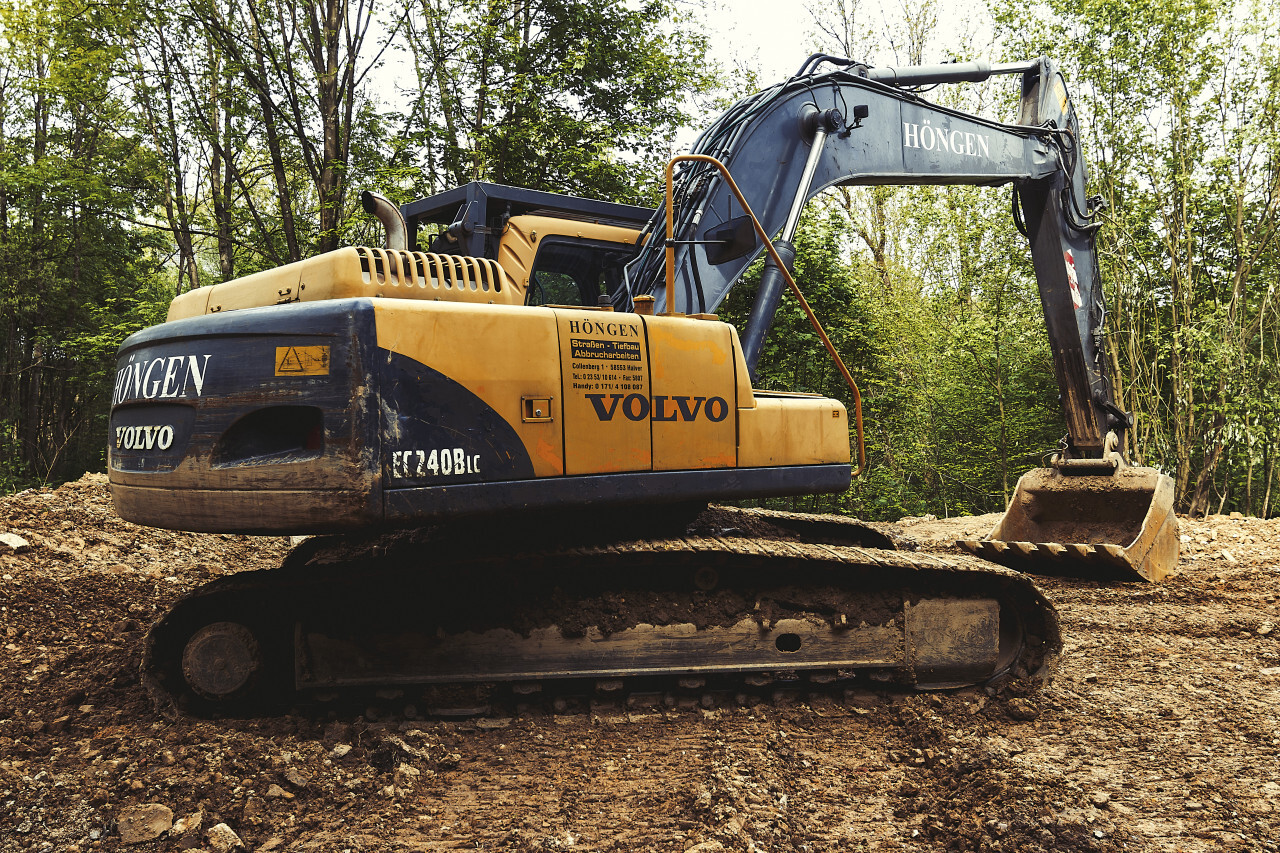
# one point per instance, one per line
(573, 272)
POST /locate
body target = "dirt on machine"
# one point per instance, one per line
(504, 428)
(741, 602)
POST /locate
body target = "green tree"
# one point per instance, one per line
(1179, 99)
(572, 96)
(75, 275)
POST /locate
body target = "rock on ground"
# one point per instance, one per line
(145, 822)
(223, 839)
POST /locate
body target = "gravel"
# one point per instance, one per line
(1161, 731)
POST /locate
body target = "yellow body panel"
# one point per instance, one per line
(741, 376)
(598, 392)
(605, 363)
(693, 389)
(792, 429)
(502, 354)
(355, 272)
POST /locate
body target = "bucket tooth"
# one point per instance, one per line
(1114, 551)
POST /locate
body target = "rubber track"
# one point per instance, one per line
(319, 562)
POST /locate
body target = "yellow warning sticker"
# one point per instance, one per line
(1060, 89)
(302, 361)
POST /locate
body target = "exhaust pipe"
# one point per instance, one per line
(389, 215)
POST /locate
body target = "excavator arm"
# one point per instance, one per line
(865, 126)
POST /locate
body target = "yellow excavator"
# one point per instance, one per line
(511, 418)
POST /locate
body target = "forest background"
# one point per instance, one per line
(147, 148)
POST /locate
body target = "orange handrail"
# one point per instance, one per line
(786, 273)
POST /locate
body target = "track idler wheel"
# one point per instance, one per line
(222, 662)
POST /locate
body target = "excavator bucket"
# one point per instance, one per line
(1118, 526)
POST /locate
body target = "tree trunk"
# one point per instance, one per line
(271, 130)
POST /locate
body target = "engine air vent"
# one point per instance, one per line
(395, 269)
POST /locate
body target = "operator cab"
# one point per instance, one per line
(563, 250)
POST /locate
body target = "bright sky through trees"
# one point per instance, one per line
(776, 38)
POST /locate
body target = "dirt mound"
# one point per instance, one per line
(1161, 731)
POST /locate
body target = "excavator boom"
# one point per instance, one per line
(865, 126)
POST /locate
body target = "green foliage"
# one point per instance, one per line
(148, 148)
(957, 385)
(75, 274)
(1180, 99)
(793, 358)
(570, 96)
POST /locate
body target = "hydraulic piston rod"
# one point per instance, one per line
(771, 280)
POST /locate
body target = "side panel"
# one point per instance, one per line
(793, 430)
(317, 418)
(605, 362)
(436, 432)
(694, 400)
(506, 358)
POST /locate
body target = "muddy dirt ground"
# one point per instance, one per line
(1160, 732)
